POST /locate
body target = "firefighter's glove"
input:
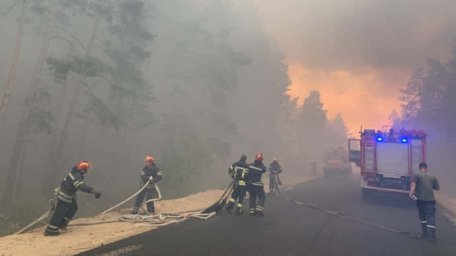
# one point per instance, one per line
(97, 194)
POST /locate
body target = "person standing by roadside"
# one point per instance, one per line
(422, 190)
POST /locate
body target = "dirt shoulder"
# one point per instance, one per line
(88, 233)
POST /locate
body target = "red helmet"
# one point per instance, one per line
(259, 157)
(149, 159)
(84, 166)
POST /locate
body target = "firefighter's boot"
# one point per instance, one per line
(424, 233)
(239, 210)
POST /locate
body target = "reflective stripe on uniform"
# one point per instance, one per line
(52, 227)
(239, 205)
(252, 210)
(78, 183)
(232, 200)
(71, 176)
(430, 226)
(255, 168)
(159, 173)
(259, 208)
(64, 197)
(241, 183)
(257, 183)
(240, 168)
(423, 221)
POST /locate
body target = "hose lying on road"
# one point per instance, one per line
(363, 222)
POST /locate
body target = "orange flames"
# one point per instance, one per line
(362, 98)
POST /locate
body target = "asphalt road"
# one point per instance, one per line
(340, 224)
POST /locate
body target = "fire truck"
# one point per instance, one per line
(387, 159)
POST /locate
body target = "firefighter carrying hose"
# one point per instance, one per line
(256, 186)
(274, 180)
(67, 206)
(239, 172)
(150, 172)
(422, 190)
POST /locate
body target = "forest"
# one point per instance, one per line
(195, 85)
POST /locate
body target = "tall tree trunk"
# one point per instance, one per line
(54, 136)
(11, 178)
(22, 132)
(21, 169)
(85, 125)
(12, 71)
(50, 177)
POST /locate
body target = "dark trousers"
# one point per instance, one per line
(254, 193)
(148, 193)
(426, 213)
(63, 214)
(273, 184)
(237, 194)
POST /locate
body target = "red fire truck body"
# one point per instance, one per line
(387, 159)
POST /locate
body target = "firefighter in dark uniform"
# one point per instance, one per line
(256, 186)
(422, 190)
(274, 170)
(239, 172)
(150, 172)
(66, 198)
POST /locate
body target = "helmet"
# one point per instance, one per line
(84, 166)
(423, 165)
(149, 159)
(259, 157)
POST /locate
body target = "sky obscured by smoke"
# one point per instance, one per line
(357, 51)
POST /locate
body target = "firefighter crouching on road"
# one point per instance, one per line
(150, 172)
(256, 186)
(66, 198)
(274, 181)
(422, 190)
(239, 172)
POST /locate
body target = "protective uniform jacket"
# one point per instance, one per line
(256, 169)
(153, 172)
(73, 182)
(239, 172)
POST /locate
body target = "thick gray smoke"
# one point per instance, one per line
(353, 34)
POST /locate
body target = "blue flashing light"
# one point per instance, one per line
(379, 138)
(404, 140)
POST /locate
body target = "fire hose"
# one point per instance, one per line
(42, 217)
(151, 220)
(343, 216)
(132, 196)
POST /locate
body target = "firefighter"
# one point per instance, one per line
(256, 187)
(153, 174)
(239, 172)
(274, 180)
(422, 190)
(66, 198)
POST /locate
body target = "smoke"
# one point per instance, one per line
(351, 35)
(357, 51)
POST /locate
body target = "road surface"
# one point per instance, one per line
(339, 224)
